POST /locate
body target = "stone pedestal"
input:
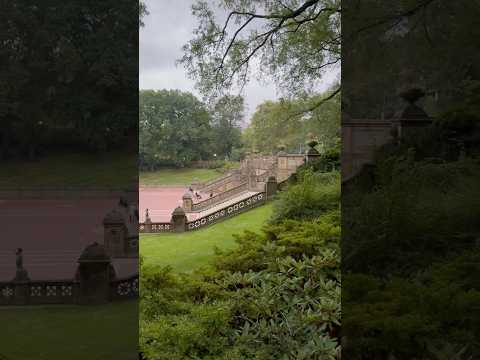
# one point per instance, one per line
(94, 275)
(271, 187)
(179, 220)
(187, 201)
(115, 234)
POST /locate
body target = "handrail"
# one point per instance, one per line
(217, 182)
(220, 197)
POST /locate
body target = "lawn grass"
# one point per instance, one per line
(188, 251)
(111, 170)
(177, 176)
(106, 332)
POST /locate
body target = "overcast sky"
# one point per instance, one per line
(167, 28)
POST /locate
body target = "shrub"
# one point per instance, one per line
(313, 194)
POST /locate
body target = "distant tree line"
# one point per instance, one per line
(284, 125)
(68, 76)
(176, 128)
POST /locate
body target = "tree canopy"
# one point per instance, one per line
(293, 42)
(227, 119)
(422, 46)
(175, 128)
(285, 122)
(68, 74)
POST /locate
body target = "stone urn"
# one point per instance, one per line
(412, 117)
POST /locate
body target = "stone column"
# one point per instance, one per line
(94, 274)
(148, 222)
(187, 201)
(179, 220)
(115, 233)
(271, 187)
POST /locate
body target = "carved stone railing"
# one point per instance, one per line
(157, 227)
(227, 212)
(220, 197)
(126, 288)
(60, 291)
(38, 292)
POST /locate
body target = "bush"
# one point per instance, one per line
(275, 296)
(313, 194)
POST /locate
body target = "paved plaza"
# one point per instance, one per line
(53, 234)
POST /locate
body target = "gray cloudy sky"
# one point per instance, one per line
(167, 28)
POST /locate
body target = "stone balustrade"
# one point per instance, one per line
(227, 212)
(209, 202)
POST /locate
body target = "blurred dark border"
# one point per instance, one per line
(69, 179)
(411, 169)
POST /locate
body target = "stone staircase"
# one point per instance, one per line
(252, 185)
(221, 205)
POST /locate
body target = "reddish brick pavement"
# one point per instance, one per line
(160, 202)
(52, 233)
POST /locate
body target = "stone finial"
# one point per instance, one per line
(147, 216)
(412, 110)
(312, 151)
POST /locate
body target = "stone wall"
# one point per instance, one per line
(360, 138)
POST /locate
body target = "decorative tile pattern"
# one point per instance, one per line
(66, 290)
(135, 286)
(123, 288)
(36, 290)
(7, 292)
(51, 290)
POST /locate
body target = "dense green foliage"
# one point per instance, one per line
(227, 118)
(176, 128)
(284, 120)
(294, 41)
(68, 76)
(421, 46)
(410, 247)
(276, 295)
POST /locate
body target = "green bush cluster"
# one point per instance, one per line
(275, 296)
(411, 252)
